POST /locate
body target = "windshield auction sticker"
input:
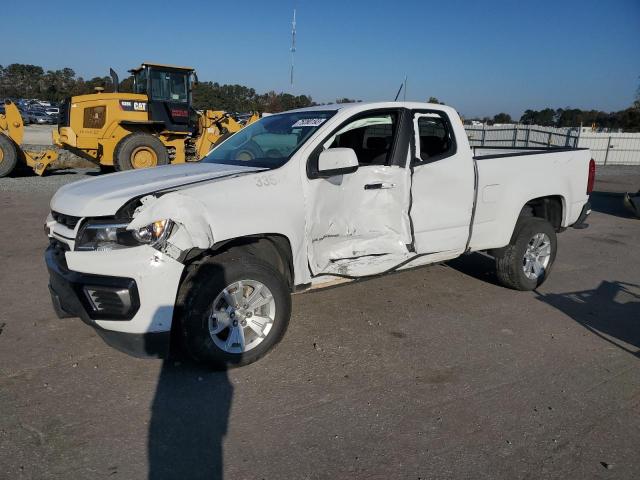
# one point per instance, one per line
(309, 122)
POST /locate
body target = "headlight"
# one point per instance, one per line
(153, 233)
(109, 235)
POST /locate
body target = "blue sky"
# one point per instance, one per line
(480, 57)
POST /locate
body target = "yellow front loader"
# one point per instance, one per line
(11, 152)
(213, 127)
(155, 125)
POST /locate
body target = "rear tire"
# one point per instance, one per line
(526, 262)
(206, 314)
(8, 156)
(140, 150)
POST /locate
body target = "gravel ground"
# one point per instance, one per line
(27, 181)
(435, 372)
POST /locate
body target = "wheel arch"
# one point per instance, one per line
(551, 208)
(273, 248)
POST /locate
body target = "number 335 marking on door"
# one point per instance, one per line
(266, 181)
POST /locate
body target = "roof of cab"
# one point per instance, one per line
(161, 65)
(372, 105)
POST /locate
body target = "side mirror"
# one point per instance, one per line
(337, 161)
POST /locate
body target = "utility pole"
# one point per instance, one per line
(293, 45)
(404, 95)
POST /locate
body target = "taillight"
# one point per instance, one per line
(592, 176)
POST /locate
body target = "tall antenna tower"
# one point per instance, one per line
(293, 44)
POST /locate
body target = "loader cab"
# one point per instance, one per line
(168, 89)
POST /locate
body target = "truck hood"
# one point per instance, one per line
(104, 195)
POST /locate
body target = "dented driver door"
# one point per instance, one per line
(358, 223)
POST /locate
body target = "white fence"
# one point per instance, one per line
(606, 148)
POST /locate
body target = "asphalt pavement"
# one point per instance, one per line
(436, 372)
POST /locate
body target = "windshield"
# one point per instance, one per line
(271, 141)
(140, 81)
(169, 86)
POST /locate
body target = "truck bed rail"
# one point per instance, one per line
(519, 151)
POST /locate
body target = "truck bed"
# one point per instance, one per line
(508, 177)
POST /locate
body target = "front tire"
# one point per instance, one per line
(8, 156)
(526, 262)
(232, 310)
(140, 150)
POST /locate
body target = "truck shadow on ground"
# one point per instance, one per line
(477, 265)
(189, 417)
(611, 311)
(609, 204)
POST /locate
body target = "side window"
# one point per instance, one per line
(371, 137)
(434, 139)
(158, 90)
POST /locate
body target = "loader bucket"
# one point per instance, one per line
(14, 123)
(39, 161)
(11, 125)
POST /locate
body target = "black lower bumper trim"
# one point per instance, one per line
(142, 345)
(69, 286)
(586, 211)
(65, 287)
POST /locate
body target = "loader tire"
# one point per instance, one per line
(8, 156)
(140, 150)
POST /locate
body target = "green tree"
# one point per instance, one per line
(19, 80)
(546, 117)
(502, 118)
(347, 100)
(126, 85)
(435, 100)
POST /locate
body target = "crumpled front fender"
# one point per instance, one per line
(188, 213)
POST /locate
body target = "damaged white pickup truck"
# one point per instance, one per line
(212, 251)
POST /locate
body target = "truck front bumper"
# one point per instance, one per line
(132, 311)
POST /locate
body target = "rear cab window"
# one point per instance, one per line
(434, 138)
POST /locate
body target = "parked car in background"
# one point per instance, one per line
(52, 110)
(40, 117)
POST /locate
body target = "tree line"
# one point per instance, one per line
(32, 81)
(627, 119)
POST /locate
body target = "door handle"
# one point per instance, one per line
(379, 186)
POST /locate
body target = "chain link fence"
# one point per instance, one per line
(606, 148)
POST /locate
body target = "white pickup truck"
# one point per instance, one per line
(212, 251)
